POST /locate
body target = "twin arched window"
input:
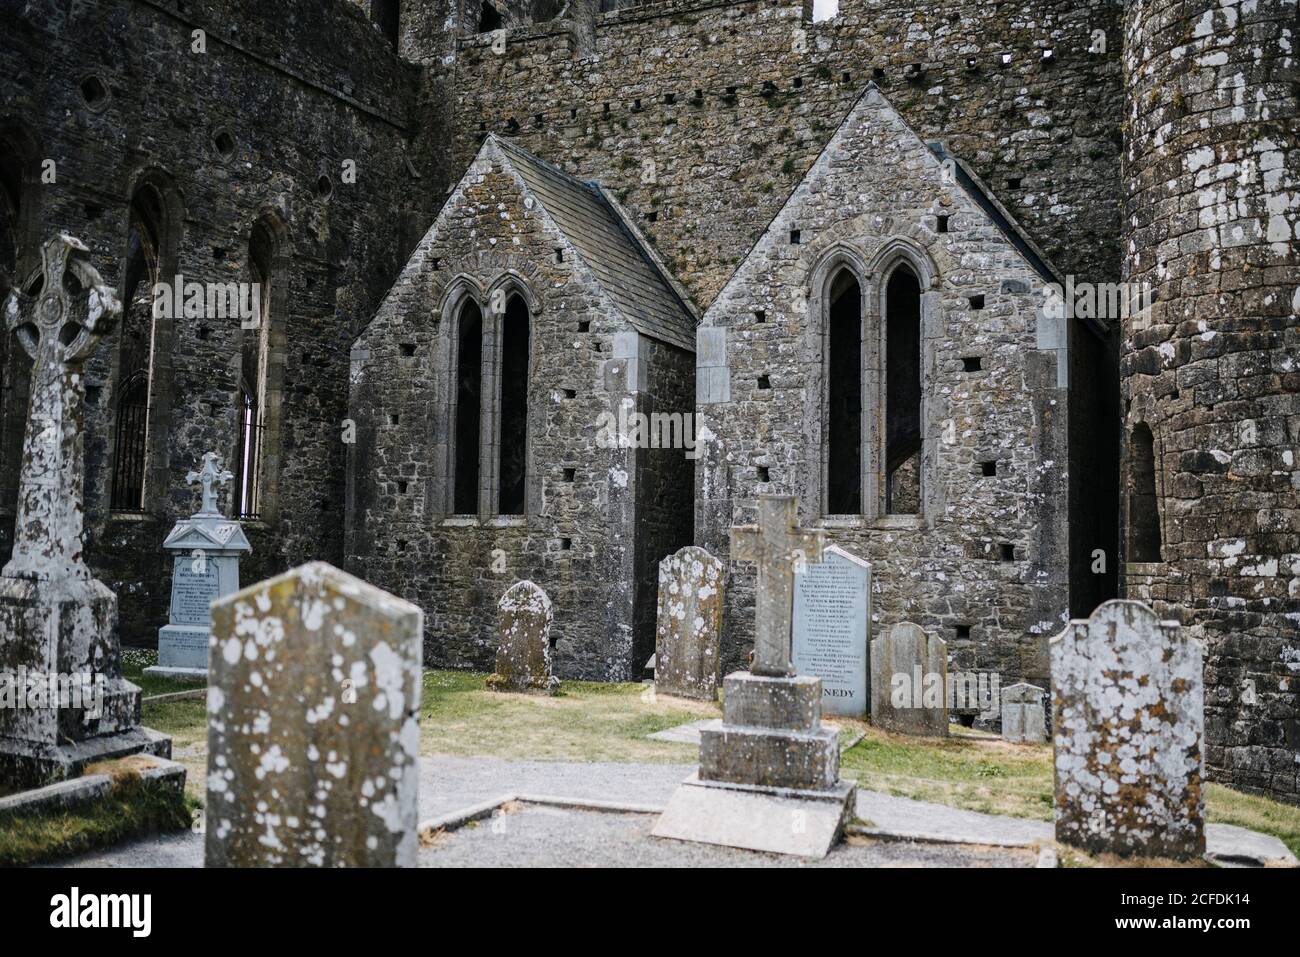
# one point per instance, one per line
(872, 395)
(489, 432)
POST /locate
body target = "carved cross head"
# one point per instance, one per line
(62, 313)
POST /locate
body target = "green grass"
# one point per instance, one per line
(1226, 806)
(135, 660)
(133, 809)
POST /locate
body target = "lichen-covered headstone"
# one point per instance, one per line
(1023, 718)
(909, 677)
(313, 741)
(523, 663)
(1127, 725)
(689, 625)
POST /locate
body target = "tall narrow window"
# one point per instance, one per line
(514, 407)
(903, 393)
(255, 358)
(1143, 511)
(250, 440)
(386, 15)
(469, 388)
(136, 357)
(844, 396)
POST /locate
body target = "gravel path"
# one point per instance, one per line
(549, 835)
(542, 836)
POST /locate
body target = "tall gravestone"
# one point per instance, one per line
(831, 629)
(56, 620)
(909, 681)
(523, 662)
(1023, 717)
(206, 548)
(689, 625)
(769, 772)
(313, 740)
(1128, 714)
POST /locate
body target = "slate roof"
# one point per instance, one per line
(608, 247)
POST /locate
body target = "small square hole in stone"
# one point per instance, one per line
(584, 325)
(760, 315)
(764, 382)
(941, 223)
(971, 364)
(977, 302)
(402, 487)
(559, 255)
(763, 474)
(988, 468)
(961, 632)
(394, 419)
(1007, 552)
(569, 393)
(407, 349)
(795, 237)
(570, 474)
(566, 544)
(1013, 182)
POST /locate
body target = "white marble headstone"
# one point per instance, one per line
(831, 631)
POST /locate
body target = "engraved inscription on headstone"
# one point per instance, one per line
(195, 586)
(832, 611)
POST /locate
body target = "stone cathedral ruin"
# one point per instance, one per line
(1006, 295)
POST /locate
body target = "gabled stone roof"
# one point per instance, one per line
(605, 242)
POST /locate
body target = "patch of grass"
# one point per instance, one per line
(187, 723)
(135, 660)
(586, 721)
(133, 809)
(1226, 806)
(975, 773)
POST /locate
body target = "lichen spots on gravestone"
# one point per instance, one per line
(1127, 728)
(312, 761)
(523, 661)
(689, 625)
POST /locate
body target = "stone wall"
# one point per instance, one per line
(298, 87)
(1211, 160)
(702, 115)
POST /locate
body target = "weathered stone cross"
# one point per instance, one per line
(211, 473)
(59, 324)
(777, 544)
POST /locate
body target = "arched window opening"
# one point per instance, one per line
(469, 382)
(844, 396)
(136, 349)
(489, 19)
(255, 359)
(250, 442)
(387, 16)
(514, 407)
(903, 393)
(129, 443)
(1143, 507)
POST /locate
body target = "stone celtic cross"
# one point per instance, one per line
(777, 544)
(59, 323)
(209, 474)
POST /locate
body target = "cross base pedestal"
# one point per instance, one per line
(66, 703)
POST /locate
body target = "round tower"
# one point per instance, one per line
(1210, 370)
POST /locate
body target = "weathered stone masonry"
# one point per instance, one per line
(1211, 381)
(114, 95)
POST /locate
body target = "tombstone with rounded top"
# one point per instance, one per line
(909, 681)
(523, 664)
(313, 740)
(1128, 718)
(1023, 718)
(689, 625)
